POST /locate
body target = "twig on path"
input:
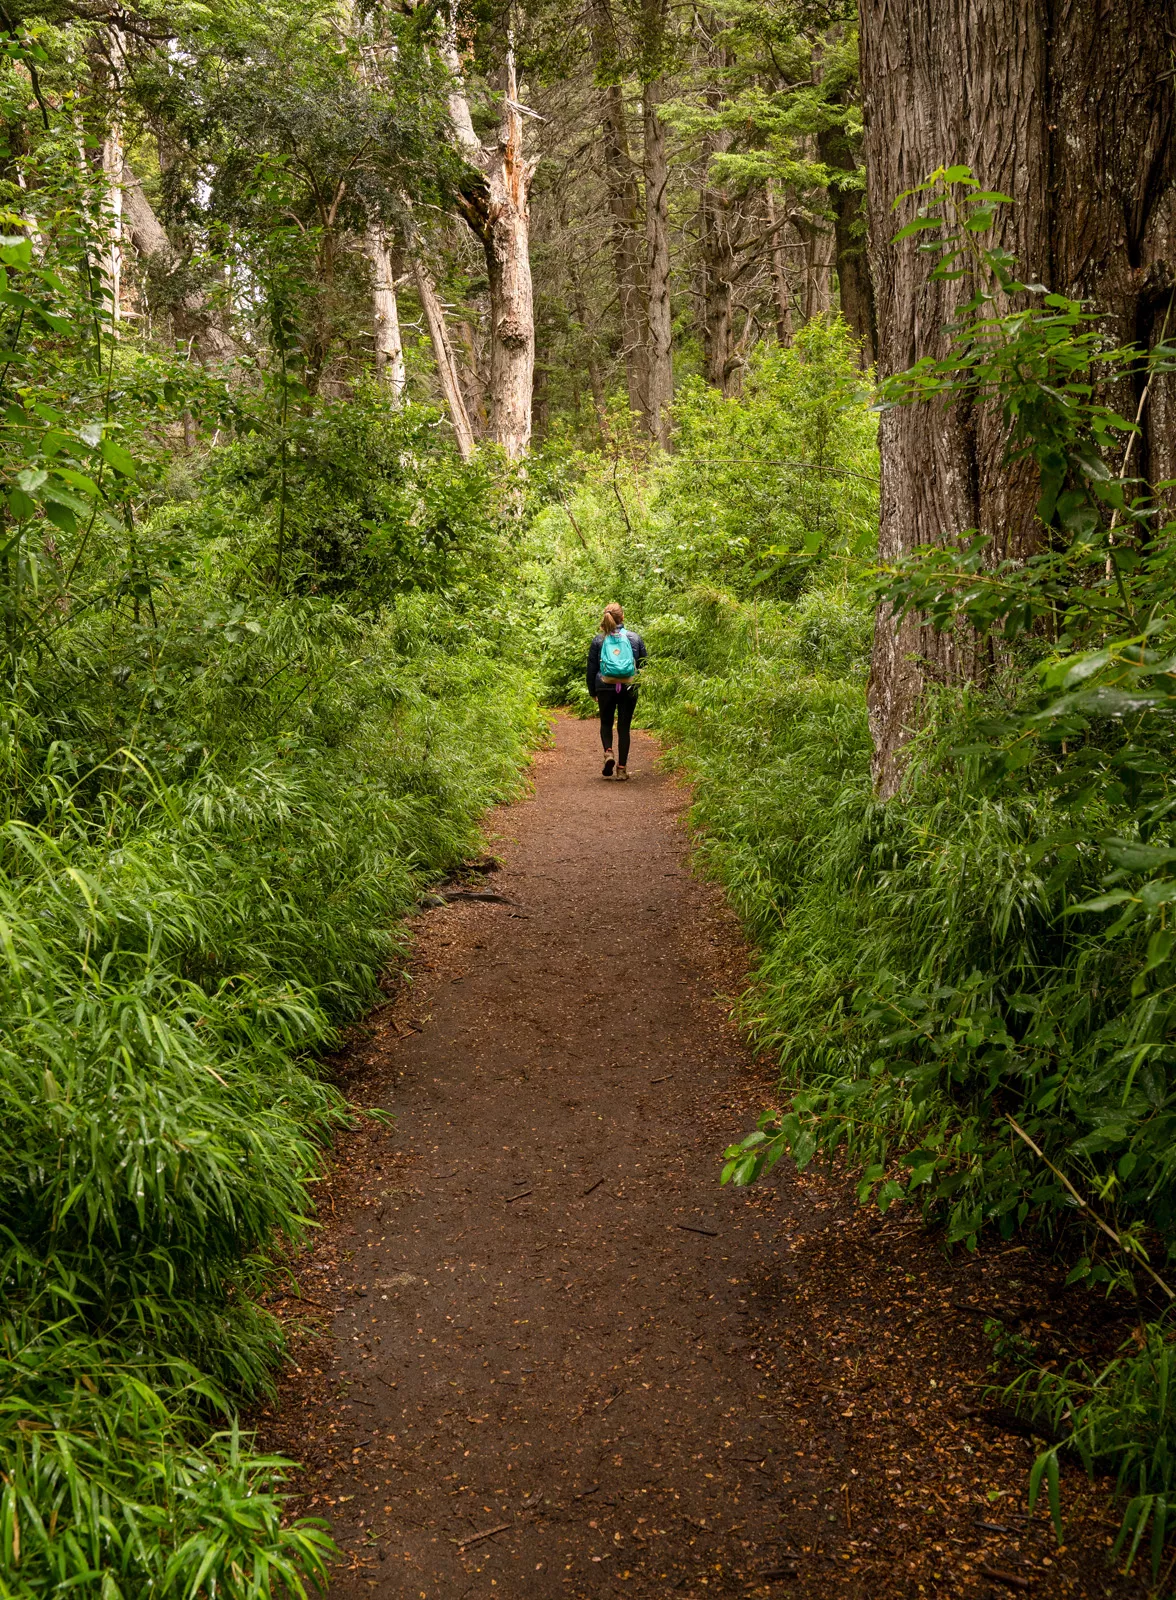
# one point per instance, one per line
(476, 1538)
(479, 894)
(591, 1187)
(666, 1079)
(686, 1227)
(998, 1575)
(511, 1198)
(1084, 1205)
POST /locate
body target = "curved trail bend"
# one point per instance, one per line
(556, 1359)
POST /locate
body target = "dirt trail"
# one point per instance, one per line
(556, 1359)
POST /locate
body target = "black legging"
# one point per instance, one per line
(622, 707)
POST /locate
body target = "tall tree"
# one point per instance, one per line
(495, 203)
(385, 312)
(839, 146)
(659, 323)
(1074, 118)
(624, 202)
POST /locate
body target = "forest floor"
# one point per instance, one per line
(540, 1353)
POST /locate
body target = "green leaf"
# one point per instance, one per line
(1133, 855)
(61, 516)
(920, 225)
(1101, 902)
(118, 458)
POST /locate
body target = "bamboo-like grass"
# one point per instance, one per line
(173, 953)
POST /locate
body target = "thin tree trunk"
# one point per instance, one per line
(1070, 110)
(385, 312)
(112, 199)
(470, 376)
(817, 296)
(659, 322)
(856, 292)
(443, 355)
(781, 283)
(717, 260)
(595, 376)
(623, 203)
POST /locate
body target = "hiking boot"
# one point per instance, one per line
(607, 770)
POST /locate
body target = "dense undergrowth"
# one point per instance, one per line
(249, 705)
(214, 827)
(968, 987)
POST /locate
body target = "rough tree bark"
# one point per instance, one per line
(659, 320)
(624, 203)
(1068, 106)
(496, 208)
(718, 293)
(385, 312)
(193, 321)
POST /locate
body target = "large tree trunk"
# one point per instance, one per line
(1067, 105)
(496, 208)
(624, 205)
(193, 321)
(443, 355)
(659, 321)
(512, 308)
(385, 312)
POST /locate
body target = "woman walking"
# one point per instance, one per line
(615, 657)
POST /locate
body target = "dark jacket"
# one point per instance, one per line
(593, 673)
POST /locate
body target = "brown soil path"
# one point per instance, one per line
(555, 1359)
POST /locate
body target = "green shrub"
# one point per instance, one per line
(171, 958)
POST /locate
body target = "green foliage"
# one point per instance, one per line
(762, 494)
(759, 487)
(377, 503)
(969, 988)
(249, 706)
(171, 955)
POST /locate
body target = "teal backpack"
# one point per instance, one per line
(616, 656)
